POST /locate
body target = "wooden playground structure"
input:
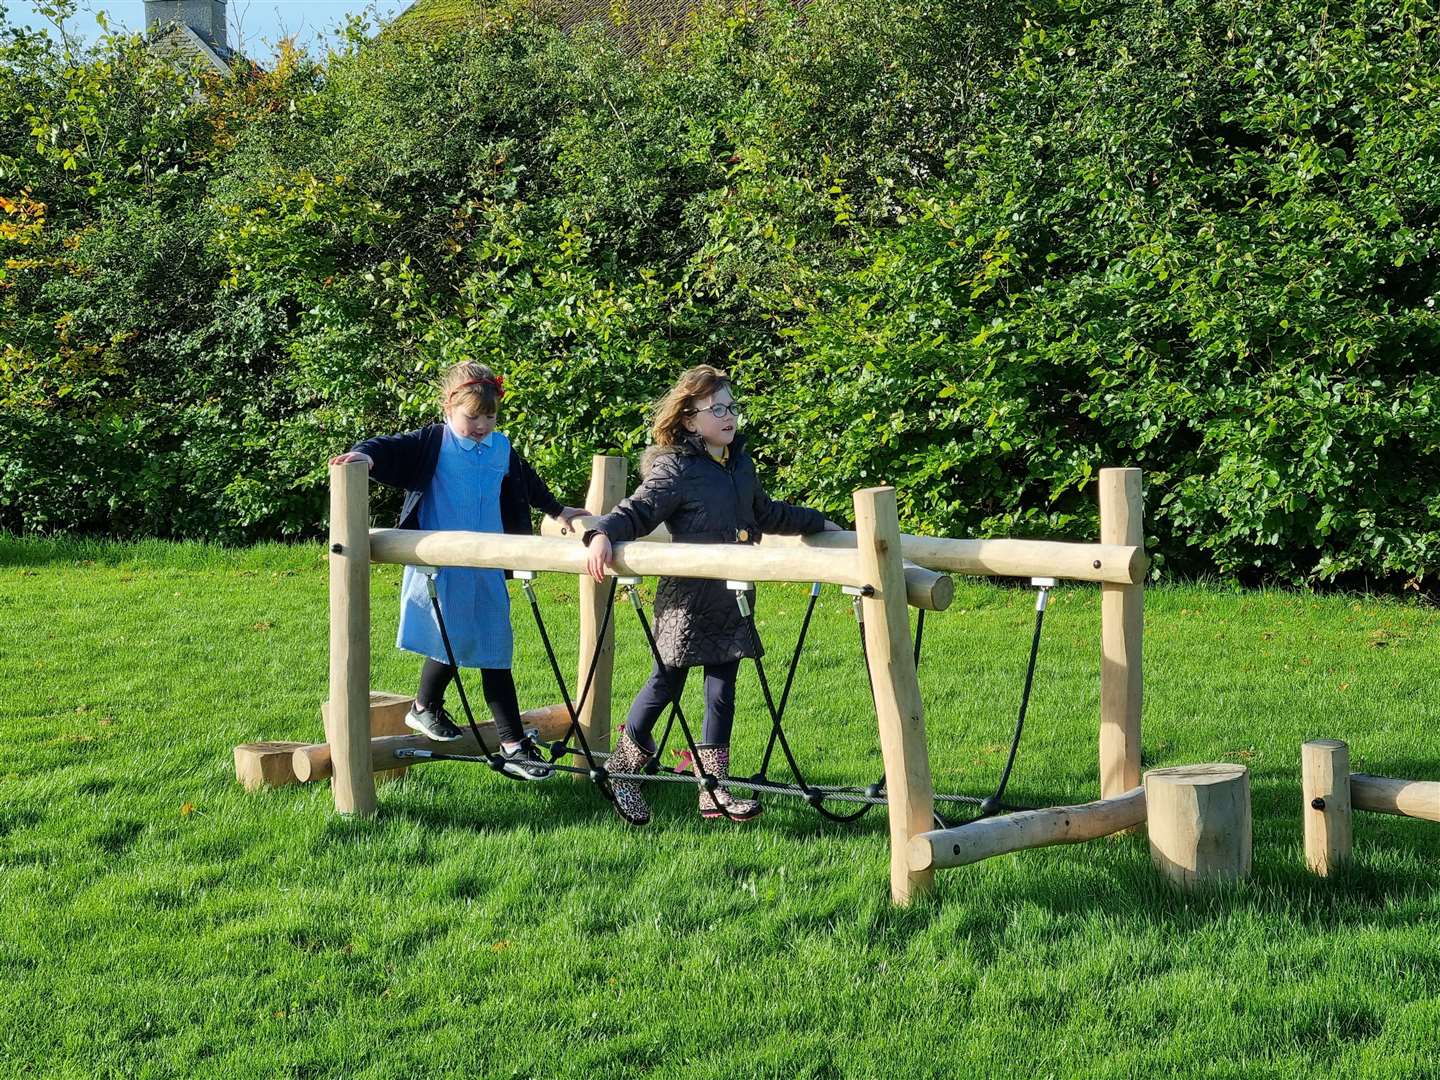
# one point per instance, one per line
(1198, 817)
(889, 570)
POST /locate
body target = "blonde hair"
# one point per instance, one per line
(667, 416)
(472, 388)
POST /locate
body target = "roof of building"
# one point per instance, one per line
(179, 42)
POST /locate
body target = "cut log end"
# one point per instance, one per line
(265, 764)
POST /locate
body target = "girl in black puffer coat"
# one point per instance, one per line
(699, 481)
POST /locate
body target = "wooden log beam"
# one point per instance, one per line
(1120, 564)
(750, 562)
(1384, 795)
(928, 589)
(550, 527)
(311, 763)
(1026, 829)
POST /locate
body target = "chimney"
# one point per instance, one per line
(205, 17)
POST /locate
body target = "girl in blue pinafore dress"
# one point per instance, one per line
(464, 493)
(463, 474)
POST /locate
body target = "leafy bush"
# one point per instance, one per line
(971, 249)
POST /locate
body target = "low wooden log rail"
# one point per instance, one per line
(1024, 829)
(311, 762)
(1331, 792)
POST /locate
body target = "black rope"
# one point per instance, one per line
(812, 796)
(789, 681)
(709, 782)
(598, 774)
(919, 637)
(839, 792)
(879, 785)
(494, 760)
(573, 710)
(992, 805)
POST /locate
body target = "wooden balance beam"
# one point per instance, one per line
(1025, 829)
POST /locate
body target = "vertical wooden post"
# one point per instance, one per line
(607, 487)
(897, 690)
(1325, 782)
(347, 721)
(1122, 620)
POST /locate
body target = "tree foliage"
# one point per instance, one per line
(977, 250)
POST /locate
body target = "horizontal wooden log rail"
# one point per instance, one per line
(928, 589)
(1118, 564)
(1025, 829)
(1114, 563)
(1385, 795)
(745, 562)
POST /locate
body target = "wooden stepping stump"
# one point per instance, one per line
(1199, 823)
(265, 764)
(271, 764)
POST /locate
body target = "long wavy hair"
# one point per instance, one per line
(667, 416)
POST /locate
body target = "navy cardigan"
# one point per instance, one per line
(408, 461)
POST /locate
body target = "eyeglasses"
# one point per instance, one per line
(718, 411)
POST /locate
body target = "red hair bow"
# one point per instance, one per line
(497, 381)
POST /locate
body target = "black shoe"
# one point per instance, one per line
(524, 764)
(434, 724)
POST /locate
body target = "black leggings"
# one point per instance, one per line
(665, 685)
(497, 684)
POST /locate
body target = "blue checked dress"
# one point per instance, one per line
(464, 494)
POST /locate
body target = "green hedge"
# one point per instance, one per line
(976, 250)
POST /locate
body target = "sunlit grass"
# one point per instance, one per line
(159, 921)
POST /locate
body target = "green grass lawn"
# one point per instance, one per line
(158, 921)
